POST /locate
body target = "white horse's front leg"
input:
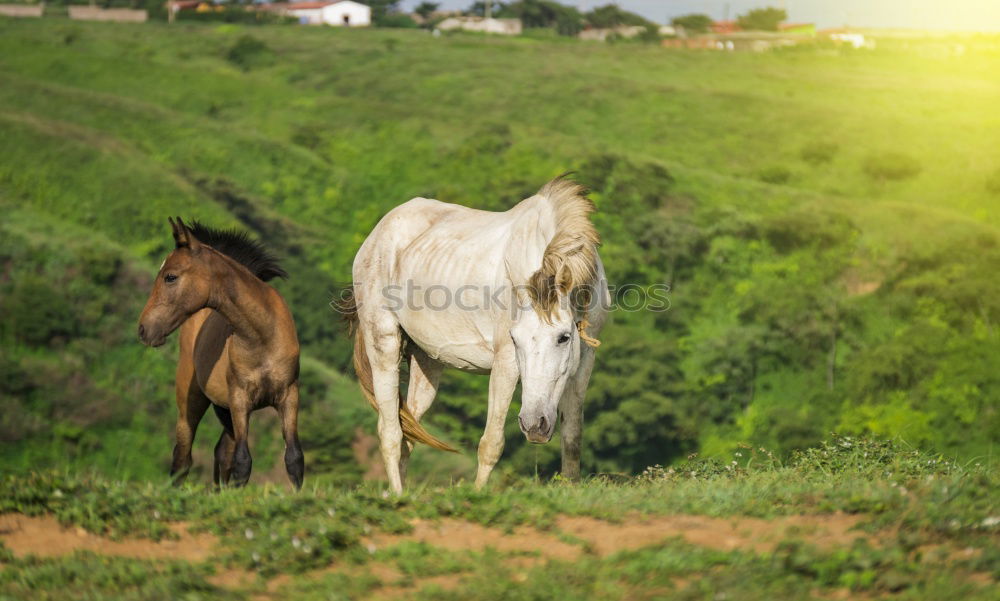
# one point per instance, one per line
(503, 380)
(571, 413)
(425, 374)
(382, 342)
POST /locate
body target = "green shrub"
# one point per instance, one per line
(775, 174)
(993, 182)
(397, 20)
(891, 166)
(235, 14)
(248, 52)
(817, 153)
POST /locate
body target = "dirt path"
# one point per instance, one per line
(605, 538)
(570, 538)
(46, 537)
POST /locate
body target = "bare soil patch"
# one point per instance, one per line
(459, 535)
(604, 538)
(46, 537)
(727, 534)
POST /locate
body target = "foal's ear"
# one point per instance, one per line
(180, 232)
(183, 237)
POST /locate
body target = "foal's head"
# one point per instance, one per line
(182, 287)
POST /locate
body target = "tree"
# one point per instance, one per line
(381, 9)
(497, 9)
(693, 23)
(762, 19)
(566, 20)
(610, 15)
(425, 9)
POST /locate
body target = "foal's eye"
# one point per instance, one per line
(170, 278)
(563, 338)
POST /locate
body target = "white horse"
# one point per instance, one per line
(511, 294)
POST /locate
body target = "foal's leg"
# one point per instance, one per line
(295, 464)
(503, 380)
(191, 407)
(571, 413)
(425, 374)
(225, 448)
(239, 407)
(383, 341)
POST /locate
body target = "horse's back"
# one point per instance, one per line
(204, 346)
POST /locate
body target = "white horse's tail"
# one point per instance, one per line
(412, 429)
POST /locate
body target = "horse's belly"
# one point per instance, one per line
(449, 341)
(466, 358)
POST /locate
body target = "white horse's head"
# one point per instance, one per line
(548, 353)
(546, 332)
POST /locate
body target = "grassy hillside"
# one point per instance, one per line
(826, 219)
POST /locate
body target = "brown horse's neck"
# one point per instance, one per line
(242, 298)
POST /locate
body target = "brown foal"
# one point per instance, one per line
(239, 349)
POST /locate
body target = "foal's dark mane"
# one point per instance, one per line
(240, 247)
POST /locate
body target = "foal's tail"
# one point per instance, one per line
(412, 429)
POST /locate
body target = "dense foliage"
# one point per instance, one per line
(762, 19)
(693, 23)
(830, 260)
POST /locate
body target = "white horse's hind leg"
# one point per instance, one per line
(503, 380)
(571, 413)
(425, 374)
(383, 341)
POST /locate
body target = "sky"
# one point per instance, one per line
(974, 15)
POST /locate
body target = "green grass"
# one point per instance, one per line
(911, 504)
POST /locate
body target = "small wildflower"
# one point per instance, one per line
(296, 542)
(248, 533)
(371, 548)
(991, 521)
(255, 557)
(331, 512)
(156, 514)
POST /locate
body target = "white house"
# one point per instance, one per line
(341, 13)
(497, 26)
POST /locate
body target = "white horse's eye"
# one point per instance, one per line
(563, 338)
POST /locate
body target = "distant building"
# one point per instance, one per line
(339, 13)
(846, 37)
(725, 27)
(22, 10)
(798, 28)
(602, 34)
(497, 26)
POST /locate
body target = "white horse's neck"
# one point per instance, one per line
(531, 231)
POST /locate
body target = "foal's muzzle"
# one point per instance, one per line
(147, 340)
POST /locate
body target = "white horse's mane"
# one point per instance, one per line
(570, 259)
